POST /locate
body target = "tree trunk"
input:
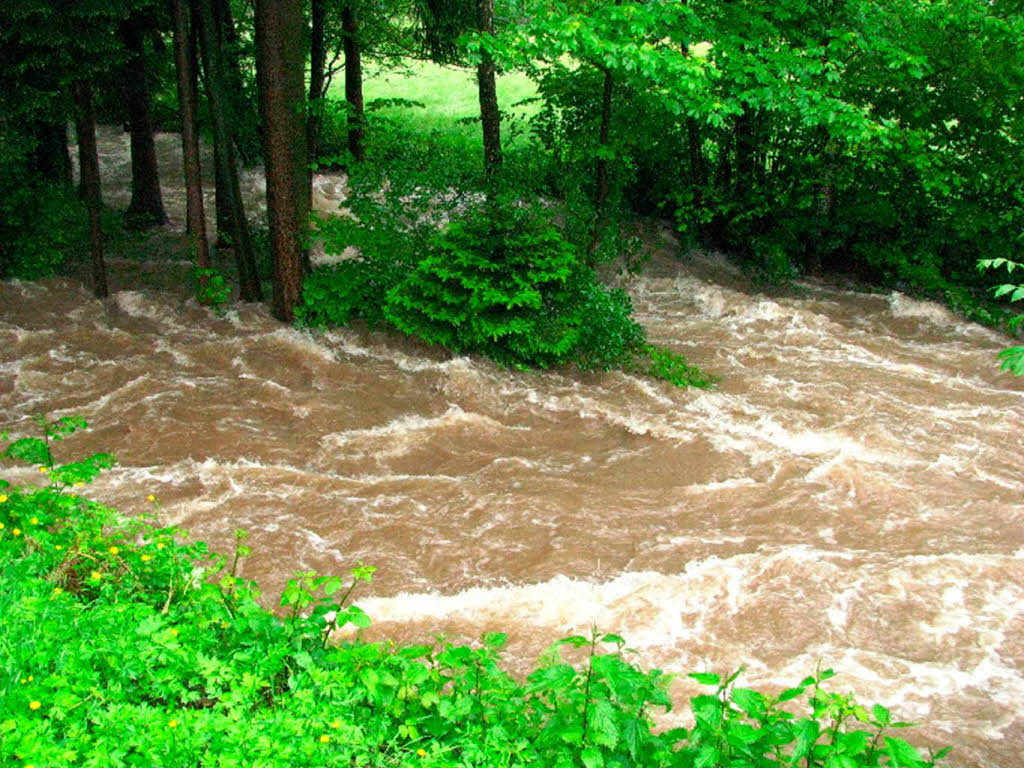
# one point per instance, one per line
(280, 62)
(601, 167)
(146, 208)
(196, 216)
(490, 116)
(317, 64)
(746, 145)
(50, 157)
(241, 111)
(89, 165)
(220, 111)
(353, 80)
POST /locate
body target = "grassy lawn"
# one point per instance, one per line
(448, 94)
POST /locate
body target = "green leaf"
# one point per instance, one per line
(707, 756)
(592, 757)
(880, 714)
(30, 450)
(705, 678)
(750, 701)
(902, 754)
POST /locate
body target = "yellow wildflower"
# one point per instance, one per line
(31, 678)
(151, 497)
(79, 484)
(324, 738)
(34, 705)
(16, 531)
(44, 470)
(174, 633)
(96, 575)
(58, 547)
(1, 526)
(146, 558)
(421, 752)
(34, 521)
(224, 625)
(159, 545)
(3, 498)
(172, 723)
(336, 724)
(58, 591)
(113, 550)
(24, 680)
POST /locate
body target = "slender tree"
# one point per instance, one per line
(146, 208)
(490, 116)
(196, 216)
(280, 60)
(88, 162)
(213, 68)
(317, 76)
(353, 79)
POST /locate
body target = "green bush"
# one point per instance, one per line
(503, 283)
(501, 280)
(126, 644)
(42, 225)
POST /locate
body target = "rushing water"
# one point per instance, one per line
(850, 495)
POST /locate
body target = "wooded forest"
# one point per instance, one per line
(876, 141)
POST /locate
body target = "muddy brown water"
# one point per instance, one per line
(850, 495)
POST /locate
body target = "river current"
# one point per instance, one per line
(849, 496)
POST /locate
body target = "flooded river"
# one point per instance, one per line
(850, 495)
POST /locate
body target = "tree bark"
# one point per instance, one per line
(317, 65)
(280, 61)
(490, 116)
(601, 167)
(146, 208)
(196, 215)
(353, 80)
(89, 165)
(220, 110)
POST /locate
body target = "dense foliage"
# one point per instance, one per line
(500, 280)
(878, 139)
(126, 644)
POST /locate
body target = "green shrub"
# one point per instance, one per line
(42, 225)
(503, 283)
(126, 644)
(501, 280)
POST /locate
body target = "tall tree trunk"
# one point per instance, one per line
(317, 65)
(196, 215)
(220, 110)
(280, 61)
(50, 156)
(146, 208)
(746, 146)
(89, 165)
(222, 195)
(490, 116)
(601, 167)
(353, 79)
(698, 165)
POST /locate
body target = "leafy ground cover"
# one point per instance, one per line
(125, 644)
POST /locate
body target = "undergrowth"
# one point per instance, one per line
(125, 644)
(499, 279)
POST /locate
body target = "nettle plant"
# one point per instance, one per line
(124, 643)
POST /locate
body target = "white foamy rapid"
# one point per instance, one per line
(851, 494)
